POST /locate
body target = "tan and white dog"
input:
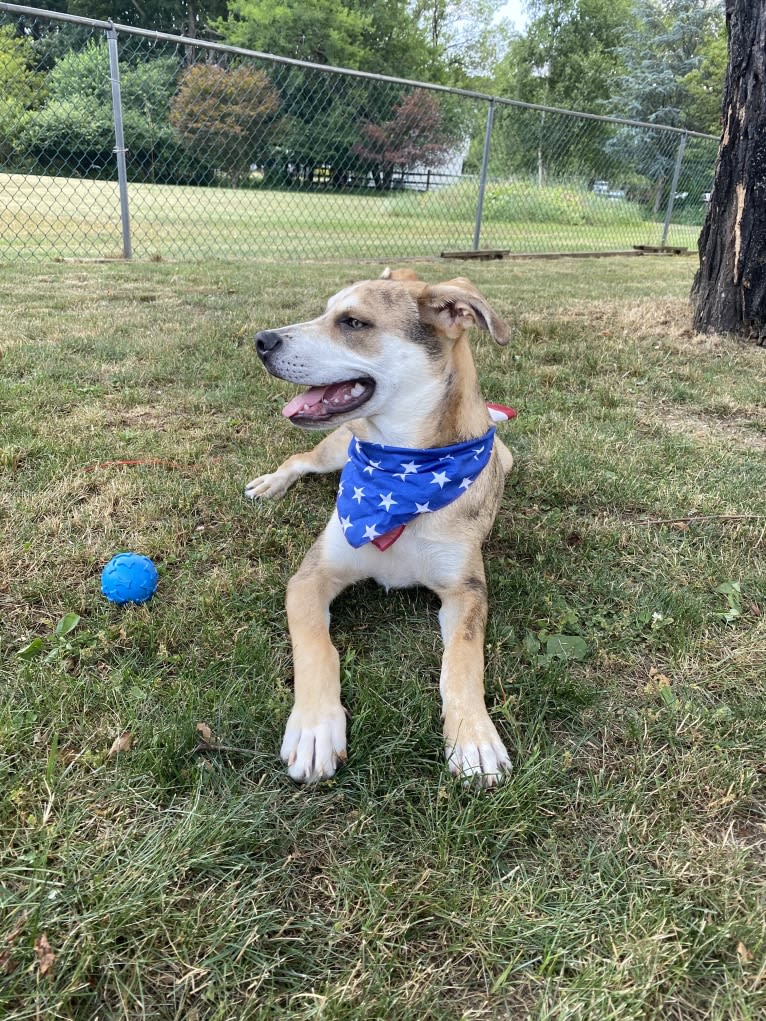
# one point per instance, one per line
(389, 363)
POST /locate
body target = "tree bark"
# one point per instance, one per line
(729, 291)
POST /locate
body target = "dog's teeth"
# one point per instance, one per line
(356, 390)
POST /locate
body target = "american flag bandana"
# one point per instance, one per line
(382, 488)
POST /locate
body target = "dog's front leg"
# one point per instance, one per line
(315, 737)
(472, 744)
(330, 454)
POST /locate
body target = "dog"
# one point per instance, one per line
(390, 371)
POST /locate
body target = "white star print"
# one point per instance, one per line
(340, 489)
(371, 466)
(466, 483)
(345, 524)
(476, 452)
(358, 493)
(423, 508)
(410, 468)
(371, 532)
(439, 479)
(386, 501)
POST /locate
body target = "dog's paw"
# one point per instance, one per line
(478, 756)
(267, 487)
(314, 745)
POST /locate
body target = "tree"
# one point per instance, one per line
(569, 54)
(185, 17)
(322, 113)
(466, 38)
(324, 32)
(567, 58)
(659, 52)
(704, 84)
(226, 116)
(414, 136)
(21, 91)
(729, 292)
(73, 133)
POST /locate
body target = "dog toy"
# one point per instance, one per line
(500, 412)
(129, 578)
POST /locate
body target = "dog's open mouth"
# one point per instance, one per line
(321, 403)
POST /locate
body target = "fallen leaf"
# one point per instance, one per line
(743, 953)
(205, 732)
(123, 743)
(7, 964)
(657, 681)
(45, 956)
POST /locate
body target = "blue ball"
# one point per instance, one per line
(129, 578)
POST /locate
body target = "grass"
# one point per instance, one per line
(47, 217)
(618, 875)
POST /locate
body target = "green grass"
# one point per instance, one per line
(45, 217)
(620, 872)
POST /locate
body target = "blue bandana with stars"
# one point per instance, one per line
(382, 488)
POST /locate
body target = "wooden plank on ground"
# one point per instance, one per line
(479, 253)
(493, 253)
(662, 249)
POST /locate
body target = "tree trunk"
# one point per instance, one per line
(729, 291)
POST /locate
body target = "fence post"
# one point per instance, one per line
(483, 175)
(119, 141)
(673, 186)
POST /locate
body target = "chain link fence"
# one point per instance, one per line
(120, 142)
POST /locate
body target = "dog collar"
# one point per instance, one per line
(382, 488)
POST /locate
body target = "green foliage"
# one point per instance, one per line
(73, 133)
(659, 51)
(523, 201)
(21, 90)
(703, 85)
(184, 17)
(568, 56)
(325, 31)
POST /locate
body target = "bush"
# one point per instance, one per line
(73, 134)
(520, 201)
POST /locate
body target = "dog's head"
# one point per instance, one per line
(380, 344)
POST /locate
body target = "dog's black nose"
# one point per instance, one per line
(267, 341)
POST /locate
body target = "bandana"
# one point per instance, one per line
(382, 488)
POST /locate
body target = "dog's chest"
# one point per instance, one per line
(412, 560)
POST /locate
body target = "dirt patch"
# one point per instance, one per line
(146, 417)
(739, 430)
(669, 318)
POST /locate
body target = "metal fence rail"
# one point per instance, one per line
(120, 142)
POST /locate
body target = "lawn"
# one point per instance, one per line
(50, 217)
(620, 872)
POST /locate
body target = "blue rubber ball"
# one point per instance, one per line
(129, 578)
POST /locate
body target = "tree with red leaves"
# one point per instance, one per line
(416, 135)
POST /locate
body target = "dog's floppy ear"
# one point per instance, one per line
(455, 305)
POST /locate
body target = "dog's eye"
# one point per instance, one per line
(353, 323)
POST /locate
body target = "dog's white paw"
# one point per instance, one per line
(267, 487)
(314, 745)
(478, 757)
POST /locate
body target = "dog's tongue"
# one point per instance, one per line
(311, 399)
(322, 400)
